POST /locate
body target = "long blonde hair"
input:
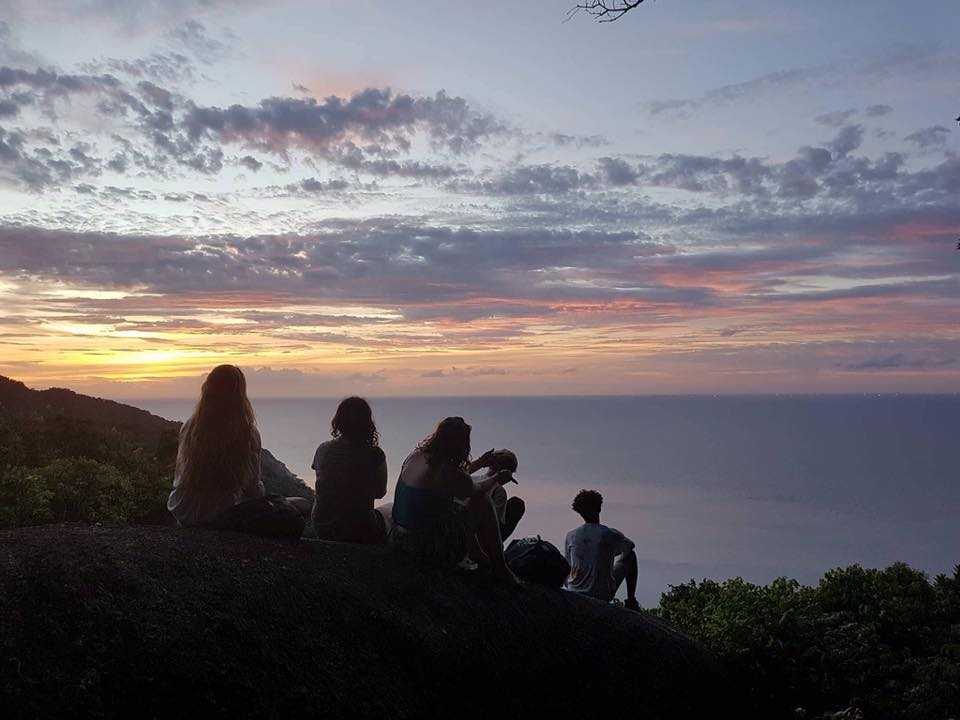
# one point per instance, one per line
(219, 445)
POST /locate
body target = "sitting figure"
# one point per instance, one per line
(351, 473)
(509, 511)
(600, 557)
(439, 513)
(217, 476)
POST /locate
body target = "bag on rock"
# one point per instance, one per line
(535, 560)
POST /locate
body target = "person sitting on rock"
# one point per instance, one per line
(351, 473)
(439, 514)
(509, 510)
(218, 456)
(600, 557)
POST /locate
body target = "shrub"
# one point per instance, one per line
(24, 498)
(886, 642)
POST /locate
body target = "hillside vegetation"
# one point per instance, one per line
(69, 457)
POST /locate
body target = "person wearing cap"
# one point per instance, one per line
(509, 510)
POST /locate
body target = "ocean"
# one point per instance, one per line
(706, 486)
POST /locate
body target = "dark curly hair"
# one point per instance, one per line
(354, 422)
(588, 502)
(449, 443)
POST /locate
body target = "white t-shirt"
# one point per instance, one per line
(498, 495)
(591, 550)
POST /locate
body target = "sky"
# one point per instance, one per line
(435, 198)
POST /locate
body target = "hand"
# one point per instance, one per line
(485, 459)
(504, 476)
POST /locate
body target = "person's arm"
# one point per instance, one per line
(460, 483)
(491, 481)
(482, 461)
(623, 543)
(256, 488)
(380, 478)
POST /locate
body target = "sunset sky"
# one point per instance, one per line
(451, 198)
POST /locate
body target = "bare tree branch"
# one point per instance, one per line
(604, 10)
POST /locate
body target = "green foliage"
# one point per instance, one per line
(54, 468)
(885, 642)
(24, 498)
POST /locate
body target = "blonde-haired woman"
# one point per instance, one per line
(218, 465)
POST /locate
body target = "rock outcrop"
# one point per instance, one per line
(127, 621)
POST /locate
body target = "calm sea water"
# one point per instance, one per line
(758, 486)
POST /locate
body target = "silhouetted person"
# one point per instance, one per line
(218, 456)
(509, 510)
(600, 557)
(351, 473)
(439, 514)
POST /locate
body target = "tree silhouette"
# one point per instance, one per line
(605, 10)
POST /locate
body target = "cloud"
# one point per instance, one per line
(251, 163)
(279, 124)
(464, 372)
(530, 180)
(901, 361)
(847, 140)
(192, 35)
(904, 63)
(618, 172)
(878, 110)
(160, 127)
(930, 138)
(126, 15)
(835, 119)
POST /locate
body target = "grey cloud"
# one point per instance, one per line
(278, 124)
(251, 163)
(900, 361)
(464, 372)
(577, 141)
(904, 61)
(929, 138)
(193, 36)
(354, 158)
(381, 261)
(701, 174)
(878, 110)
(165, 67)
(847, 140)
(127, 15)
(312, 186)
(835, 119)
(531, 180)
(618, 172)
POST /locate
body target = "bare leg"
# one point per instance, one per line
(511, 517)
(625, 568)
(484, 519)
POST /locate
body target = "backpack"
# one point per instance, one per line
(538, 561)
(268, 516)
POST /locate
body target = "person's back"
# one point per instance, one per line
(349, 478)
(600, 557)
(591, 550)
(218, 459)
(351, 473)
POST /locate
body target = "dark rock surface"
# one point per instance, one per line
(159, 622)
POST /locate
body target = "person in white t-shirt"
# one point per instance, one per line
(600, 557)
(509, 510)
